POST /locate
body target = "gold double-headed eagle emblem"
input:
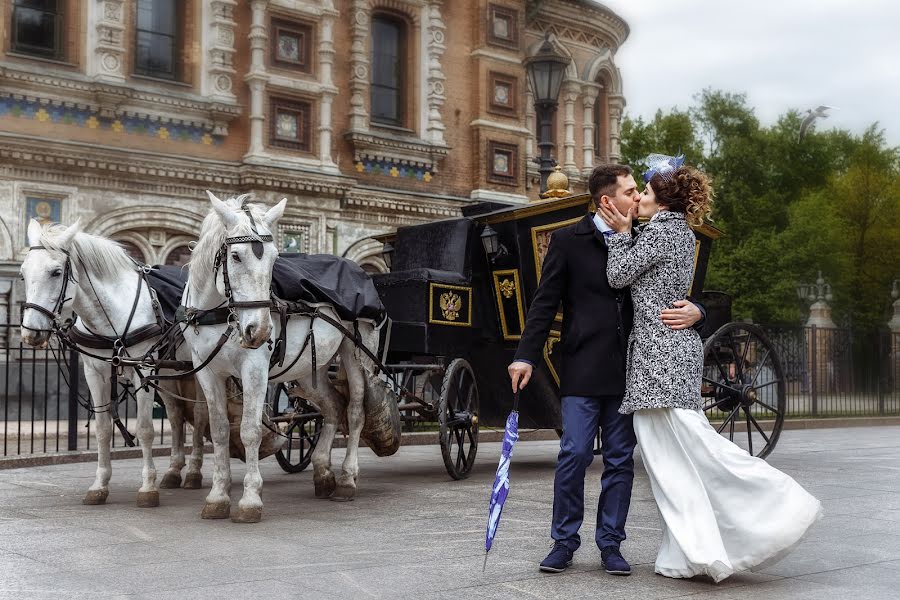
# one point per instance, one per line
(451, 304)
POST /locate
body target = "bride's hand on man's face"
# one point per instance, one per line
(614, 218)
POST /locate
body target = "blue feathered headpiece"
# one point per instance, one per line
(662, 164)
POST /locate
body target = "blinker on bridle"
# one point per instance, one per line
(53, 314)
(256, 244)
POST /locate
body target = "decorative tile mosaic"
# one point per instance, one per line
(84, 117)
(391, 169)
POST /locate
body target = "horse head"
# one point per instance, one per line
(46, 271)
(245, 262)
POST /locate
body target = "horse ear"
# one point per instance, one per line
(66, 237)
(34, 233)
(229, 219)
(273, 214)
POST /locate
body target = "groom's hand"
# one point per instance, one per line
(520, 373)
(682, 316)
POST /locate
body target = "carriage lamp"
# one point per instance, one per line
(387, 255)
(545, 73)
(491, 242)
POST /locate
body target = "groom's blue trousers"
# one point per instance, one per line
(581, 416)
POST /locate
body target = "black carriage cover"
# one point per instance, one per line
(327, 278)
(307, 277)
(168, 282)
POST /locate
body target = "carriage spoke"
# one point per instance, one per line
(715, 404)
(758, 428)
(770, 408)
(760, 366)
(729, 417)
(731, 432)
(767, 384)
(738, 366)
(749, 431)
(722, 371)
(721, 385)
(744, 353)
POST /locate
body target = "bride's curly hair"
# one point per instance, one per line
(687, 191)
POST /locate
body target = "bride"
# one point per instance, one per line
(722, 509)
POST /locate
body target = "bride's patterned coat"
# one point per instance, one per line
(664, 366)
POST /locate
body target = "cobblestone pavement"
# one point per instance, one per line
(414, 533)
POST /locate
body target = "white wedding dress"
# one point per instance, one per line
(722, 509)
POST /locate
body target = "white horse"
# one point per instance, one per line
(236, 243)
(66, 268)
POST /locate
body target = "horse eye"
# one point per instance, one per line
(235, 257)
(56, 273)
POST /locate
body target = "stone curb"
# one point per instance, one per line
(408, 439)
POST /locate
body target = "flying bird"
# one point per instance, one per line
(811, 115)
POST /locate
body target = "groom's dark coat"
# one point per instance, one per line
(597, 319)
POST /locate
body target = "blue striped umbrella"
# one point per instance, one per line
(501, 481)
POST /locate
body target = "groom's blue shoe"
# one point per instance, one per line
(613, 561)
(559, 559)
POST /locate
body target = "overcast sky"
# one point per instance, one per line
(782, 53)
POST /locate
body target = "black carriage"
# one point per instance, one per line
(457, 296)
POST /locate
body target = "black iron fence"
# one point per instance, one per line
(829, 372)
(839, 372)
(45, 400)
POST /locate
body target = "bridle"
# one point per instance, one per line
(54, 313)
(221, 260)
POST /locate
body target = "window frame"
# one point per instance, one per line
(512, 15)
(177, 37)
(511, 109)
(403, 71)
(304, 142)
(512, 178)
(60, 15)
(305, 31)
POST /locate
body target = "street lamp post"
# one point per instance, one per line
(545, 72)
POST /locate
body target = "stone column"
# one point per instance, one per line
(359, 66)
(329, 91)
(106, 53)
(219, 84)
(590, 91)
(435, 85)
(571, 91)
(5, 317)
(820, 334)
(257, 77)
(616, 106)
(894, 326)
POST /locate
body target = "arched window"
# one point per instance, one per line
(601, 124)
(179, 256)
(388, 70)
(133, 251)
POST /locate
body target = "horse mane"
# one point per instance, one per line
(100, 256)
(213, 234)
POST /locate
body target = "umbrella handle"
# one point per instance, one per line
(516, 401)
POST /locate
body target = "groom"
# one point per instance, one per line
(596, 323)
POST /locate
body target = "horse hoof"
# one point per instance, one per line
(95, 497)
(343, 493)
(324, 487)
(216, 510)
(247, 515)
(193, 481)
(170, 481)
(148, 499)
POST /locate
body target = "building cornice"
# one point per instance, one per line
(567, 19)
(135, 99)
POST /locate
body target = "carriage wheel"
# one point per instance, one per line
(302, 430)
(458, 418)
(744, 387)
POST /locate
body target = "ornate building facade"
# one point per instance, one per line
(366, 114)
